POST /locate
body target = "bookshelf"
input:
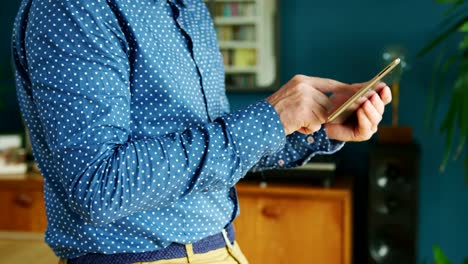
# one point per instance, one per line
(246, 34)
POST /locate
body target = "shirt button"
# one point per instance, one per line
(205, 190)
(281, 162)
(310, 139)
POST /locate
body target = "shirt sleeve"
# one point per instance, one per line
(85, 107)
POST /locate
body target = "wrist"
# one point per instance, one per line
(274, 102)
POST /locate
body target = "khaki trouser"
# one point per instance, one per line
(230, 254)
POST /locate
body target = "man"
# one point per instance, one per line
(129, 122)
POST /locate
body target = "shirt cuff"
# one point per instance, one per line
(256, 131)
(320, 144)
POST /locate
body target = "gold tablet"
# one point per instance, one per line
(344, 109)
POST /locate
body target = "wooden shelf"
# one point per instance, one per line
(236, 69)
(235, 20)
(237, 44)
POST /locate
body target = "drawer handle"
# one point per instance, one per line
(271, 212)
(24, 200)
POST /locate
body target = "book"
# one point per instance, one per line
(245, 57)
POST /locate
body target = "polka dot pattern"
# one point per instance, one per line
(299, 149)
(130, 124)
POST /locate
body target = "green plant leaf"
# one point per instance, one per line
(464, 114)
(465, 261)
(455, 7)
(462, 89)
(455, 120)
(454, 13)
(457, 115)
(448, 127)
(437, 86)
(439, 256)
(466, 173)
(461, 146)
(443, 72)
(463, 44)
(464, 27)
(428, 120)
(442, 36)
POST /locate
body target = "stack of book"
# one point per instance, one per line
(239, 57)
(233, 9)
(236, 33)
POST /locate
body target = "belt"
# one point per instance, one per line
(174, 250)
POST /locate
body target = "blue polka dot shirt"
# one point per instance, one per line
(130, 125)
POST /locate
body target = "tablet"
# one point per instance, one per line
(346, 108)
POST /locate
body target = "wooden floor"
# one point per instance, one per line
(25, 250)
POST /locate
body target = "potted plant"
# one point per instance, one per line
(455, 123)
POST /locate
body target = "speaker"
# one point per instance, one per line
(392, 203)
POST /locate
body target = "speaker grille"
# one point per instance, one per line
(392, 203)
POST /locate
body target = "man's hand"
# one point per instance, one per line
(302, 104)
(368, 115)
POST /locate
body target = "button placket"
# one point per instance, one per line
(180, 16)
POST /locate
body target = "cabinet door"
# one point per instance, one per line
(274, 229)
(22, 210)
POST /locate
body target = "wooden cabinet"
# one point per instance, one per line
(22, 205)
(281, 224)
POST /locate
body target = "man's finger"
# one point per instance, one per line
(378, 103)
(324, 85)
(386, 95)
(357, 86)
(321, 99)
(372, 114)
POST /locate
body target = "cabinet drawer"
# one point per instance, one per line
(22, 209)
(294, 225)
